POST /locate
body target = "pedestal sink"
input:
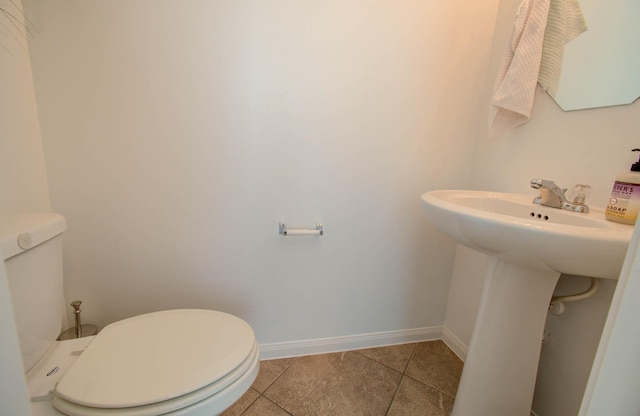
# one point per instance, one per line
(529, 247)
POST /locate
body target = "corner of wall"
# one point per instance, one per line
(22, 168)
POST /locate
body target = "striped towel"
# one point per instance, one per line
(564, 23)
(518, 76)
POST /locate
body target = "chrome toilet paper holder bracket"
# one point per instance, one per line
(283, 230)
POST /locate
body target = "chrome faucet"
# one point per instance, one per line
(551, 195)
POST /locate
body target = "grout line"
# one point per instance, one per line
(402, 373)
(432, 387)
(377, 362)
(261, 393)
(453, 396)
(278, 376)
(395, 393)
(393, 398)
(413, 352)
(277, 404)
(266, 398)
(251, 404)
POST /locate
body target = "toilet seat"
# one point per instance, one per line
(191, 404)
(161, 363)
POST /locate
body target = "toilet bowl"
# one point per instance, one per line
(192, 362)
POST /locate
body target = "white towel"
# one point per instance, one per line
(565, 22)
(516, 83)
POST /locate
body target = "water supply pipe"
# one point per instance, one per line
(557, 302)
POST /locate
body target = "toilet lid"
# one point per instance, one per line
(155, 357)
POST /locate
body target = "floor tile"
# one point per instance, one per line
(265, 407)
(394, 356)
(269, 371)
(416, 399)
(335, 384)
(435, 365)
(242, 404)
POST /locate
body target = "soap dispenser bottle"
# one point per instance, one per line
(624, 203)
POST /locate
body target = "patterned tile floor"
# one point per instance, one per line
(401, 380)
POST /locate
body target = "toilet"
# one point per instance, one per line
(176, 362)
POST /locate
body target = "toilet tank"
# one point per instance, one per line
(31, 247)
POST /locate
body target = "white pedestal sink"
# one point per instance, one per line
(530, 246)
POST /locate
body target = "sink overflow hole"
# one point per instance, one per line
(539, 216)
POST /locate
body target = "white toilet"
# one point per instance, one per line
(177, 362)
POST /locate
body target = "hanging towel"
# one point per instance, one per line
(518, 76)
(564, 23)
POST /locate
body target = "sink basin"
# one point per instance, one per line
(529, 247)
(512, 228)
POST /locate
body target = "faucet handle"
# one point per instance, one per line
(579, 194)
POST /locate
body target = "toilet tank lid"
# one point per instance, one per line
(20, 232)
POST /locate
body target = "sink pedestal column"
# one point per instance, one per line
(500, 371)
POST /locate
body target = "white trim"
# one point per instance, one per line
(454, 343)
(346, 343)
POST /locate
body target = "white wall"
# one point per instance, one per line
(590, 147)
(178, 136)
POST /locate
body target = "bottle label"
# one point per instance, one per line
(625, 201)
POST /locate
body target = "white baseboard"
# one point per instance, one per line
(351, 342)
(453, 342)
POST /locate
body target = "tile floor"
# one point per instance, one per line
(401, 380)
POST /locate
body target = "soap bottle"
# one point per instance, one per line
(624, 203)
